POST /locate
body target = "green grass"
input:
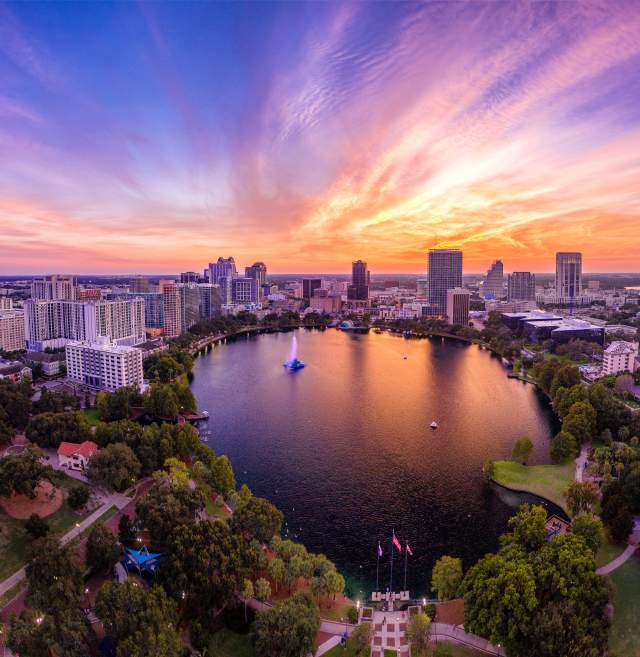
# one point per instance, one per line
(624, 636)
(455, 650)
(92, 416)
(226, 643)
(341, 651)
(14, 540)
(608, 552)
(335, 612)
(548, 481)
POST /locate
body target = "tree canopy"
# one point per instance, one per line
(115, 467)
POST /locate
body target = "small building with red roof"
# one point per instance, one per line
(75, 456)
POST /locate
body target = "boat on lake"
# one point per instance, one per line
(434, 425)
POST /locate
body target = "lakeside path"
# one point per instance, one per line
(618, 561)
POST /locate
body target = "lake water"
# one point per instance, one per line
(344, 449)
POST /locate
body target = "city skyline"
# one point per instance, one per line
(146, 138)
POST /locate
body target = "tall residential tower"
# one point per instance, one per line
(445, 273)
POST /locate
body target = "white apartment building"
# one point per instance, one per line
(12, 330)
(54, 287)
(53, 323)
(618, 357)
(104, 365)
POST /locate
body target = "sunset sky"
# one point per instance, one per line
(149, 137)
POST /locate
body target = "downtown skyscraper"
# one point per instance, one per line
(445, 273)
(568, 276)
(360, 280)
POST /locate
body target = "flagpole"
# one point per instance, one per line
(406, 556)
(391, 569)
(378, 567)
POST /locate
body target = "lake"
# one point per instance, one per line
(343, 447)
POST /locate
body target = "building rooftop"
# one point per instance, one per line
(622, 347)
(87, 449)
(102, 345)
(44, 357)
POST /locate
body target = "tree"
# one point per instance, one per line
(116, 405)
(142, 622)
(566, 376)
(78, 496)
(221, 477)
(258, 519)
(163, 368)
(166, 509)
(528, 527)
(581, 496)
(580, 422)
(50, 429)
(247, 594)
(6, 433)
(288, 629)
(522, 449)
(262, 589)
(624, 384)
(22, 473)
(418, 631)
(15, 403)
(621, 525)
(54, 578)
(277, 571)
(509, 595)
(361, 638)
(115, 467)
(563, 446)
(162, 402)
(446, 577)
(590, 528)
(126, 530)
(38, 634)
(205, 563)
(35, 526)
(488, 470)
(102, 550)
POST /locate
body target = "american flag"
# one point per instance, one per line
(409, 551)
(396, 542)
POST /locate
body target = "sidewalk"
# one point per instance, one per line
(618, 561)
(117, 500)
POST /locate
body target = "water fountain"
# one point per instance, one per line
(293, 363)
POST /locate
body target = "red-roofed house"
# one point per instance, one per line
(76, 456)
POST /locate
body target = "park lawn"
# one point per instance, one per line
(624, 637)
(341, 651)
(14, 540)
(92, 415)
(548, 481)
(226, 643)
(336, 611)
(456, 650)
(608, 552)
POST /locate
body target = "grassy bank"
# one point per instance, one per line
(226, 643)
(624, 638)
(548, 481)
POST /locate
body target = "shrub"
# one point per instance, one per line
(78, 496)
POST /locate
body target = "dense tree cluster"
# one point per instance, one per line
(165, 401)
(115, 467)
(537, 597)
(21, 473)
(117, 405)
(50, 429)
(55, 402)
(15, 403)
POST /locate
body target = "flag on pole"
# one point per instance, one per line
(409, 551)
(379, 549)
(396, 543)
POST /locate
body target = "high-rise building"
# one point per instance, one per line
(458, 306)
(6, 303)
(210, 301)
(53, 323)
(309, 285)
(445, 273)
(12, 330)
(360, 280)
(104, 365)
(172, 309)
(493, 285)
(53, 287)
(89, 294)
(258, 271)
(189, 277)
(222, 268)
(568, 276)
(244, 290)
(139, 284)
(521, 286)
(190, 304)
(422, 288)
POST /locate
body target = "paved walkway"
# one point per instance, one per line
(618, 561)
(116, 499)
(389, 632)
(581, 461)
(456, 634)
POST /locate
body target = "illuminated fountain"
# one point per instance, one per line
(292, 362)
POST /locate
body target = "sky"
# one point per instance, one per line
(154, 137)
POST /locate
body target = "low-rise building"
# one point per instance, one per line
(50, 362)
(14, 371)
(103, 365)
(76, 456)
(457, 306)
(620, 356)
